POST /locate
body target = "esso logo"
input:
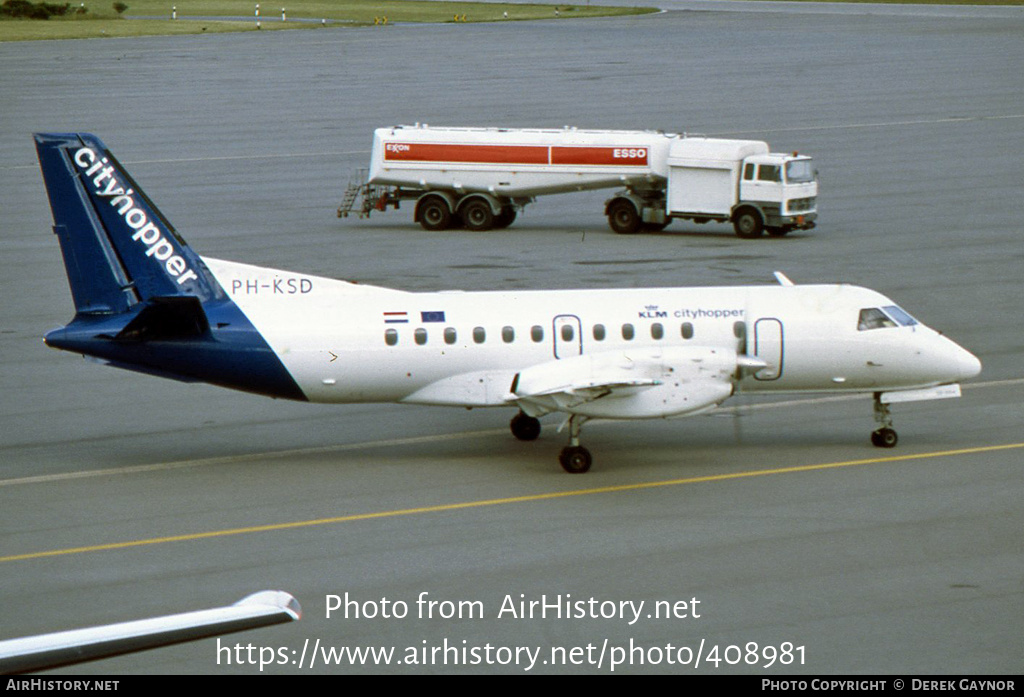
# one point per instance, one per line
(629, 153)
(396, 147)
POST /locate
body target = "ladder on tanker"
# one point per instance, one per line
(361, 197)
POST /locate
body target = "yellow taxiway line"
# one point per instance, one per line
(440, 508)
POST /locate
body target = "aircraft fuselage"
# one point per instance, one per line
(345, 342)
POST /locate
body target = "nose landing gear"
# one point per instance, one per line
(884, 436)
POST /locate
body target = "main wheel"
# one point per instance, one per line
(884, 438)
(623, 218)
(525, 427)
(434, 214)
(575, 459)
(477, 215)
(748, 223)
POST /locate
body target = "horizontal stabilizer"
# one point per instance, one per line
(166, 319)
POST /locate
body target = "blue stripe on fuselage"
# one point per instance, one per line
(232, 353)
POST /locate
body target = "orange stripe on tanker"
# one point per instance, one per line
(515, 154)
(569, 155)
(449, 152)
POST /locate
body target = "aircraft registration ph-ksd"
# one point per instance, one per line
(145, 301)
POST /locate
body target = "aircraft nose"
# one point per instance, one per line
(968, 363)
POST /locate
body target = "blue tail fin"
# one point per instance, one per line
(118, 248)
(144, 301)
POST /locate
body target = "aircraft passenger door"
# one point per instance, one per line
(769, 346)
(568, 336)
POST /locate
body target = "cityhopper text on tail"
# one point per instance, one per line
(145, 301)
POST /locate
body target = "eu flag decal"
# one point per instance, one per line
(436, 316)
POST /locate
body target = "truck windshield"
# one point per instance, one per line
(799, 171)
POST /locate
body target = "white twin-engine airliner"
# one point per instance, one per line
(146, 302)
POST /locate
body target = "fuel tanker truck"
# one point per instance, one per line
(478, 178)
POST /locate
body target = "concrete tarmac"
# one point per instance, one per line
(123, 496)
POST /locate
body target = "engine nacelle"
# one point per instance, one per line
(642, 384)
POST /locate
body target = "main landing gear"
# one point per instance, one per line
(884, 436)
(574, 458)
(525, 427)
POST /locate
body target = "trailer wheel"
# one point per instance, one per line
(623, 218)
(505, 218)
(477, 215)
(433, 214)
(748, 223)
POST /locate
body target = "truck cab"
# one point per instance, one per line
(741, 182)
(781, 190)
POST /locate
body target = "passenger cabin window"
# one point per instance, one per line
(568, 334)
(657, 331)
(627, 332)
(479, 335)
(739, 330)
(420, 336)
(391, 337)
(450, 335)
(769, 173)
(599, 332)
(537, 333)
(687, 330)
(508, 334)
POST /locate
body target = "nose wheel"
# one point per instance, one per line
(884, 436)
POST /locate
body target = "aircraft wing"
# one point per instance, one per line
(641, 384)
(45, 651)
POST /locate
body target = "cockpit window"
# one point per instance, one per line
(898, 314)
(883, 318)
(873, 318)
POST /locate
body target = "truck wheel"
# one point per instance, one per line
(505, 218)
(654, 227)
(433, 214)
(748, 223)
(623, 218)
(477, 215)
